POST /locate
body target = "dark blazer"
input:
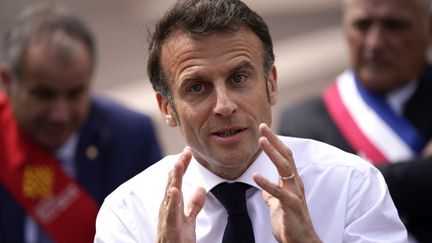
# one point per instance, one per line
(409, 182)
(126, 144)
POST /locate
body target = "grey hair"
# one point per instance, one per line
(39, 21)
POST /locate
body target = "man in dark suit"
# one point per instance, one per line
(62, 150)
(379, 107)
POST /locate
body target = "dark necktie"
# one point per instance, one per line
(233, 198)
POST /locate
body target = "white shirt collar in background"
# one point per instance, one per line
(397, 99)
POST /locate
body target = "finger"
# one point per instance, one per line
(277, 151)
(278, 160)
(180, 168)
(269, 187)
(172, 208)
(274, 140)
(196, 203)
(175, 178)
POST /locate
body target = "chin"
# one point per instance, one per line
(226, 160)
(378, 85)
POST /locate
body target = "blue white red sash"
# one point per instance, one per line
(368, 123)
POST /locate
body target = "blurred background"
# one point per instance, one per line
(308, 43)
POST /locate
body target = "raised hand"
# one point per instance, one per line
(175, 223)
(286, 200)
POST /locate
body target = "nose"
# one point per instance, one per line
(225, 105)
(374, 38)
(60, 110)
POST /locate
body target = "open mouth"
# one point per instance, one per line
(228, 133)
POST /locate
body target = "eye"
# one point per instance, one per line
(193, 89)
(43, 94)
(196, 88)
(396, 24)
(238, 79)
(362, 24)
(76, 93)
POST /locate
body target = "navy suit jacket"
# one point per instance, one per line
(409, 182)
(126, 144)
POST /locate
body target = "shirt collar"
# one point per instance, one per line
(66, 154)
(199, 176)
(398, 98)
(67, 149)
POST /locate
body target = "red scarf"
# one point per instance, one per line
(38, 183)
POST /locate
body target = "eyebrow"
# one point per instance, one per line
(244, 65)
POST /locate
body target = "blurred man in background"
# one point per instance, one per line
(379, 108)
(62, 150)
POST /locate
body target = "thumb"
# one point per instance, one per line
(196, 203)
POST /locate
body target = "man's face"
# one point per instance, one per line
(219, 95)
(387, 41)
(51, 99)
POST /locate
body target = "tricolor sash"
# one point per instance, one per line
(369, 124)
(38, 183)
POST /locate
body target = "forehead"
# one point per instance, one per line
(182, 52)
(58, 60)
(385, 8)
(57, 45)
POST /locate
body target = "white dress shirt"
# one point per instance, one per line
(347, 198)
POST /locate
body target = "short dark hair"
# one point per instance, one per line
(199, 18)
(42, 21)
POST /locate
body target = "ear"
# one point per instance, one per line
(6, 79)
(166, 110)
(272, 85)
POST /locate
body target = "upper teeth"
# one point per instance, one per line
(228, 133)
